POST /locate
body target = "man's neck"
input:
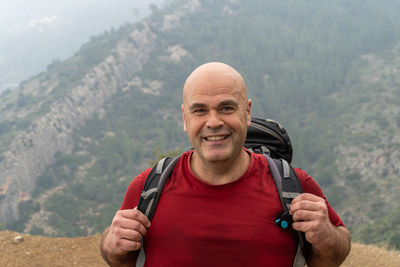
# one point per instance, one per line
(223, 172)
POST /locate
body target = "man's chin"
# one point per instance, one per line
(216, 156)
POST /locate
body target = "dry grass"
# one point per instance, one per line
(371, 256)
(83, 251)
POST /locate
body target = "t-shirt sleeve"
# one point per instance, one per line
(134, 190)
(309, 185)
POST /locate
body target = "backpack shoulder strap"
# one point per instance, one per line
(154, 185)
(288, 187)
(151, 193)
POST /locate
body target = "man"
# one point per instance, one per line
(219, 206)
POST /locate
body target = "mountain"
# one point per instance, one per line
(75, 135)
(369, 157)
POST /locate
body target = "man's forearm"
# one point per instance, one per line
(333, 253)
(102, 252)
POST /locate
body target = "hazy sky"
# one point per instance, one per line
(34, 32)
(17, 16)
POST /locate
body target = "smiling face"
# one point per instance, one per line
(216, 112)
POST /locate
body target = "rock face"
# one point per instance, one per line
(370, 150)
(28, 150)
(33, 149)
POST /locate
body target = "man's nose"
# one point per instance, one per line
(214, 120)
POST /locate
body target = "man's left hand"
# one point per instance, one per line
(310, 215)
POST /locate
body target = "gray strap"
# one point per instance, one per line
(149, 207)
(286, 169)
(160, 166)
(299, 260)
(164, 176)
(141, 257)
(276, 175)
(167, 172)
(290, 194)
(147, 193)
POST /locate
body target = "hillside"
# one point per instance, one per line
(83, 251)
(74, 136)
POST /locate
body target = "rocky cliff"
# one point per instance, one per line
(368, 154)
(51, 109)
(34, 148)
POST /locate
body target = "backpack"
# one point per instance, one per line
(265, 137)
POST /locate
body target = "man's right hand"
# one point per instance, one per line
(125, 234)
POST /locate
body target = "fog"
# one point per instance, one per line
(33, 33)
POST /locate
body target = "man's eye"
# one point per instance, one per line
(199, 111)
(227, 109)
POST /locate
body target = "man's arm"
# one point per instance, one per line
(334, 251)
(121, 241)
(330, 243)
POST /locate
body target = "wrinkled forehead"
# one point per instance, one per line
(212, 79)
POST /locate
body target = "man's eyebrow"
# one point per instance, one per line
(197, 105)
(228, 103)
(221, 104)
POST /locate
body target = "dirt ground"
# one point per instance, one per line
(47, 251)
(83, 251)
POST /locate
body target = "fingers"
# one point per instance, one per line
(307, 202)
(302, 226)
(124, 246)
(131, 220)
(310, 215)
(128, 234)
(305, 220)
(127, 230)
(306, 197)
(305, 215)
(308, 211)
(136, 215)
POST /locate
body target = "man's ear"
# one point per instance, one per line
(183, 118)
(248, 109)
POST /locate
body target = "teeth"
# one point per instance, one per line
(215, 138)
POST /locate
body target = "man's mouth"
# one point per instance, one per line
(216, 138)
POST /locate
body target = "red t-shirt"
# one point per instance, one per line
(198, 224)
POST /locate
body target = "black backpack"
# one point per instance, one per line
(265, 137)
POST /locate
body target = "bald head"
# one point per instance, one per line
(214, 76)
(216, 113)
